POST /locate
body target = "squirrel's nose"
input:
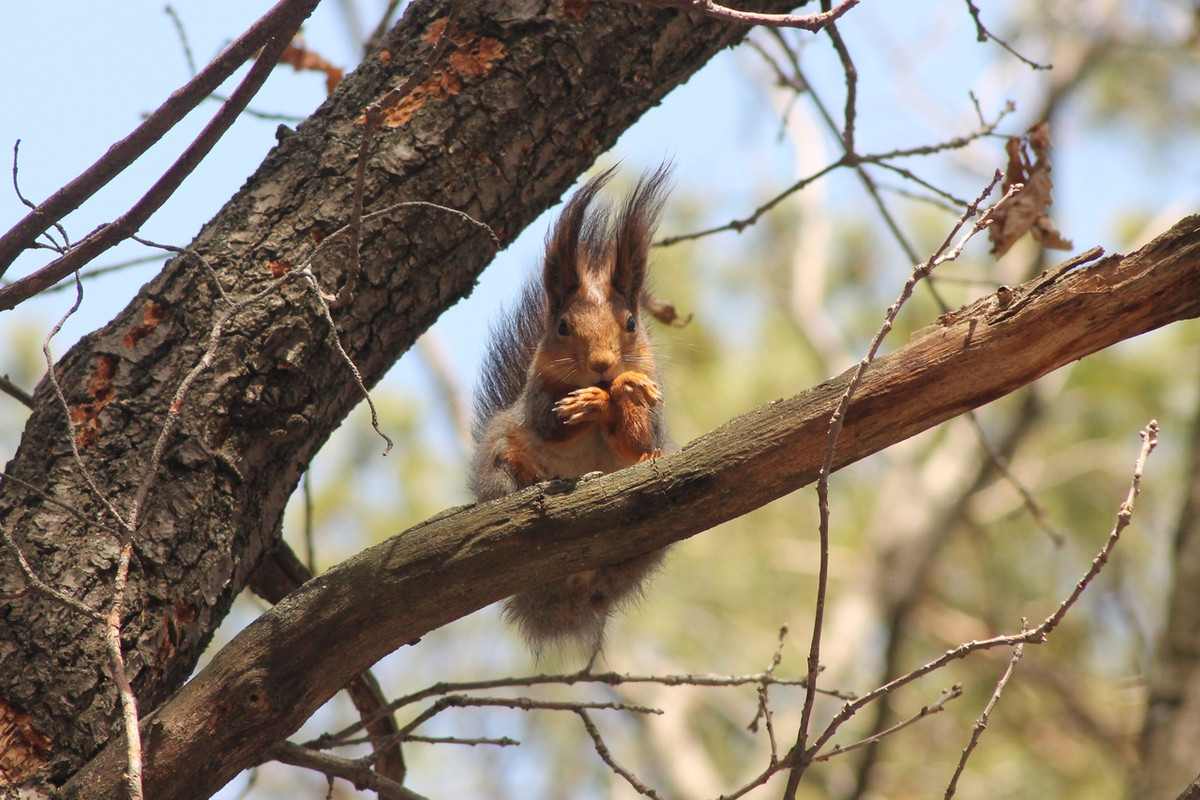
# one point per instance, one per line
(601, 363)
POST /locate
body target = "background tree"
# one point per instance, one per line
(922, 577)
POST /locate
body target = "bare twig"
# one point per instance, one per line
(570, 679)
(1027, 635)
(280, 24)
(982, 34)
(46, 497)
(16, 392)
(807, 22)
(764, 706)
(502, 741)
(359, 774)
(739, 225)
(323, 303)
(38, 585)
(66, 409)
(953, 693)
(129, 707)
(109, 235)
(606, 756)
(946, 252)
(112, 620)
(981, 723)
(55, 246)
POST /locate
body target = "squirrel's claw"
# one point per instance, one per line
(634, 387)
(582, 405)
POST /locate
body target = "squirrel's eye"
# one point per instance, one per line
(630, 324)
(563, 330)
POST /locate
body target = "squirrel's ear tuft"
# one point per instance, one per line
(635, 227)
(573, 231)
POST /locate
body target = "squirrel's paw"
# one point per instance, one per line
(583, 405)
(636, 388)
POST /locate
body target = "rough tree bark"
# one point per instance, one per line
(251, 695)
(525, 100)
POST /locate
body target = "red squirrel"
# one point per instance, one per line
(570, 386)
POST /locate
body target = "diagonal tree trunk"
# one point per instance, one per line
(525, 100)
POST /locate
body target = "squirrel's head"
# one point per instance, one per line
(593, 277)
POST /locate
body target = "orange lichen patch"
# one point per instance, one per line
(575, 9)
(434, 31)
(384, 56)
(185, 612)
(476, 57)
(152, 314)
(473, 57)
(23, 749)
(184, 615)
(279, 268)
(86, 416)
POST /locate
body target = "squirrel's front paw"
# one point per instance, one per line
(582, 405)
(634, 387)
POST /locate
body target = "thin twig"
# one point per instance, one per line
(981, 723)
(1036, 635)
(953, 693)
(57, 247)
(503, 741)
(41, 587)
(354, 771)
(109, 235)
(280, 22)
(982, 34)
(66, 409)
(606, 756)
(802, 754)
(46, 497)
(806, 22)
(129, 707)
(323, 304)
(570, 679)
(16, 392)
(764, 707)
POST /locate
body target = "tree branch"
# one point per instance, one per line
(251, 695)
(281, 21)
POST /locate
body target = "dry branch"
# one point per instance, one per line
(251, 695)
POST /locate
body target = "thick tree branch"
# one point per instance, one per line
(251, 695)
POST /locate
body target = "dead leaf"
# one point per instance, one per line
(301, 58)
(1026, 212)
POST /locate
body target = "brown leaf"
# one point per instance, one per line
(1026, 212)
(301, 58)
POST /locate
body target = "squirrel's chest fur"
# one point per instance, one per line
(586, 451)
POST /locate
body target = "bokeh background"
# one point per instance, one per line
(931, 545)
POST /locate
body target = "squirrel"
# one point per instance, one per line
(570, 385)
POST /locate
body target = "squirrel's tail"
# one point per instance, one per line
(512, 342)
